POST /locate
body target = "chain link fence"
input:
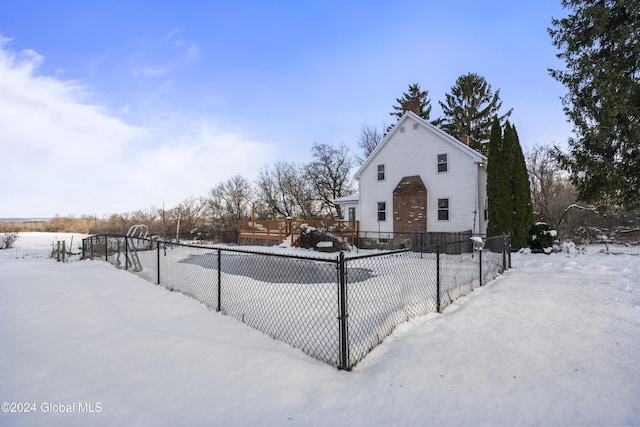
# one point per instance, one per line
(335, 307)
(413, 240)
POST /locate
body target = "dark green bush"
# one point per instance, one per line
(541, 237)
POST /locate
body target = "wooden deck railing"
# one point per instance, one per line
(279, 230)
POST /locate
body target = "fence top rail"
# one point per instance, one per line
(330, 258)
(497, 236)
(378, 254)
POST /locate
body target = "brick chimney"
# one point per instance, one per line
(412, 105)
(466, 140)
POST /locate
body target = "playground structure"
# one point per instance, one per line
(141, 230)
(266, 232)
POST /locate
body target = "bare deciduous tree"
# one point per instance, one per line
(118, 223)
(151, 217)
(187, 217)
(230, 202)
(330, 175)
(283, 190)
(370, 138)
(552, 194)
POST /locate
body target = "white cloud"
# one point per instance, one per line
(151, 71)
(174, 37)
(64, 155)
(174, 34)
(193, 51)
(196, 158)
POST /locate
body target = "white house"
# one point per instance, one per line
(420, 179)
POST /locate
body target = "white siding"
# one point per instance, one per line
(415, 152)
(345, 209)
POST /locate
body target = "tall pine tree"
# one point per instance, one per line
(497, 184)
(508, 190)
(469, 110)
(600, 46)
(416, 97)
(520, 190)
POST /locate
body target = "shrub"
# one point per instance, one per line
(541, 237)
(7, 240)
(310, 236)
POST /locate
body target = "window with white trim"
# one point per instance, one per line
(443, 165)
(380, 172)
(443, 209)
(382, 211)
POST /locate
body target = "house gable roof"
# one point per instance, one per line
(409, 115)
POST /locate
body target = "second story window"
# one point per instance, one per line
(380, 172)
(442, 163)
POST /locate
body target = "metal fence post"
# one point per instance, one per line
(509, 249)
(158, 260)
(219, 307)
(342, 301)
(126, 253)
(504, 252)
(438, 278)
(106, 248)
(480, 263)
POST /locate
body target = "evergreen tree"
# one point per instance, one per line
(507, 157)
(522, 219)
(469, 110)
(497, 184)
(508, 189)
(417, 98)
(600, 46)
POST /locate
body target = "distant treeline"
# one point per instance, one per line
(57, 224)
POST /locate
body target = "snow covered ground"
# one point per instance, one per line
(554, 341)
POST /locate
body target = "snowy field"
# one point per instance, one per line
(554, 341)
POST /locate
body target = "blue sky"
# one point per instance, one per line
(114, 106)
